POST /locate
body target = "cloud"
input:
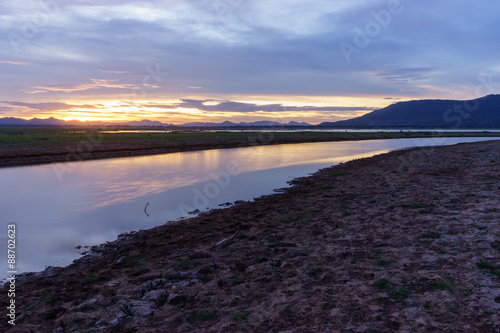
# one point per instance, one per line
(404, 75)
(210, 105)
(113, 72)
(49, 106)
(17, 63)
(96, 84)
(282, 50)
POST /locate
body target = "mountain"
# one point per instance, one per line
(145, 122)
(10, 121)
(294, 123)
(244, 124)
(482, 112)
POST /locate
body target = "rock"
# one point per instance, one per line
(182, 276)
(113, 284)
(206, 270)
(289, 254)
(177, 299)
(73, 318)
(89, 305)
(122, 260)
(158, 297)
(137, 308)
(158, 283)
(52, 314)
(142, 308)
(181, 253)
(199, 255)
(282, 244)
(239, 266)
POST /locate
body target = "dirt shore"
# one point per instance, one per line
(407, 241)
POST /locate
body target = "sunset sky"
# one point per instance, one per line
(241, 60)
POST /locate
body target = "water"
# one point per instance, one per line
(59, 206)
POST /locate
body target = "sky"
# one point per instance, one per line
(241, 60)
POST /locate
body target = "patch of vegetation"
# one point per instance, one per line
(339, 173)
(235, 302)
(399, 294)
(205, 315)
(241, 316)
(383, 284)
(442, 284)
(383, 262)
(90, 279)
(427, 305)
(314, 271)
(327, 187)
(184, 264)
(47, 298)
(485, 265)
(417, 205)
(489, 267)
(347, 213)
(378, 251)
(139, 271)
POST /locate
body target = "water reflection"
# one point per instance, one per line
(98, 200)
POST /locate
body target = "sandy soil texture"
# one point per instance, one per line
(402, 242)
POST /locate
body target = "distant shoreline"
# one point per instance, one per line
(34, 146)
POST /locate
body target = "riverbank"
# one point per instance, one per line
(405, 241)
(31, 146)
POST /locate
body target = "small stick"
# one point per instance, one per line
(145, 210)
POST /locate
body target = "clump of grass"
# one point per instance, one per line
(399, 294)
(428, 305)
(241, 316)
(417, 205)
(184, 264)
(90, 279)
(489, 267)
(235, 302)
(47, 298)
(346, 213)
(205, 315)
(378, 251)
(383, 283)
(442, 284)
(314, 271)
(383, 262)
(327, 187)
(485, 265)
(339, 173)
(139, 271)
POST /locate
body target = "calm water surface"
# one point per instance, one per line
(59, 206)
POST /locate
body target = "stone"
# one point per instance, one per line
(158, 297)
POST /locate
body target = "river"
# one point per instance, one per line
(59, 206)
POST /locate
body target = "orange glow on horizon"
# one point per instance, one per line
(157, 110)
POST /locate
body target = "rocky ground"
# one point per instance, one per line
(407, 241)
